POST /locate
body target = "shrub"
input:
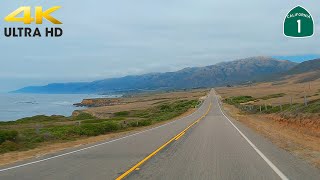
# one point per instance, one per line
(8, 146)
(83, 116)
(8, 135)
(67, 132)
(140, 123)
(96, 129)
(313, 107)
(165, 111)
(271, 96)
(60, 132)
(122, 113)
(165, 107)
(89, 130)
(239, 99)
(41, 118)
(110, 126)
(93, 121)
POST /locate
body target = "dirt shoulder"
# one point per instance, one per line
(301, 139)
(49, 148)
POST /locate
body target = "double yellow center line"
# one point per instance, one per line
(175, 138)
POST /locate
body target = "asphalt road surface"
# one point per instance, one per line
(214, 147)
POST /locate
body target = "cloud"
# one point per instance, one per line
(115, 38)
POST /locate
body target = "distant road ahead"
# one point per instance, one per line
(214, 147)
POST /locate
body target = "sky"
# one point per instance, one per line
(104, 39)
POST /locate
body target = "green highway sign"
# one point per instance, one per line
(298, 23)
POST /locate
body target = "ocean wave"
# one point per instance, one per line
(27, 102)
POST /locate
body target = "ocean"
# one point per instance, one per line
(15, 106)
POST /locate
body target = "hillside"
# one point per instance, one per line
(304, 67)
(234, 72)
(304, 72)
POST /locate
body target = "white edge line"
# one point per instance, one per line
(96, 145)
(274, 168)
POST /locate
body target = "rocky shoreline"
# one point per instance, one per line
(98, 102)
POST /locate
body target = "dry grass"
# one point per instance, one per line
(143, 101)
(299, 139)
(288, 86)
(300, 134)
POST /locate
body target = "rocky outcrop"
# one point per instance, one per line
(99, 102)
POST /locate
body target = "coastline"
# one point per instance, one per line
(14, 106)
(49, 148)
(29, 137)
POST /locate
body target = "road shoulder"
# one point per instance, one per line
(273, 140)
(47, 149)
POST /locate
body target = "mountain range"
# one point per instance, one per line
(221, 74)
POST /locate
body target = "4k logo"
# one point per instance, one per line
(23, 15)
(39, 15)
(298, 23)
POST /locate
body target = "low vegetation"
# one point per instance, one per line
(83, 116)
(244, 103)
(28, 133)
(239, 99)
(235, 100)
(312, 107)
(272, 96)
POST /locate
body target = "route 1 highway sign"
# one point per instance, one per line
(298, 23)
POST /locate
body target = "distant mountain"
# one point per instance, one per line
(234, 72)
(304, 72)
(304, 67)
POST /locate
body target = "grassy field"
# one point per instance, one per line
(277, 111)
(31, 132)
(141, 102)
(285, 96)
(284, 92)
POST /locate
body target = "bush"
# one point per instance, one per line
(41, 118)
(88, 130)
(8, 135)
(122, 113)
(140, 123)
(239, 99)
(59, 132)
(165, 107)
(67, 132)
(94, 121)
(313, 107)
(166, 111)
(8, 146)
(83, 116)
(96, 129)
(273, 96)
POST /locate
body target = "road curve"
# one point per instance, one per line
(216, 147)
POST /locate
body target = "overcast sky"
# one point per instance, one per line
(104, 38)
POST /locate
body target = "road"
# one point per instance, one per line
(214, 147)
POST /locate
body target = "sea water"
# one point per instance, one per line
(14, 106)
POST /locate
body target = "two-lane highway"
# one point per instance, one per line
(195, 147)
(214, 149)
(106, 160)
